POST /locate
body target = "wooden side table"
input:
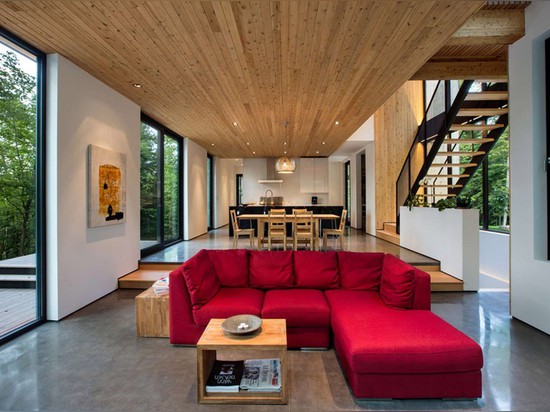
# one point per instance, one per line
(152, 315)
(270, 339)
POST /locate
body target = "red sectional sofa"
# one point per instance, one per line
(374, 307)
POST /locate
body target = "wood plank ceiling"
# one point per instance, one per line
(283, 71)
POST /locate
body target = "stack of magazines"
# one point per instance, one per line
(254, 375)
(161, 286)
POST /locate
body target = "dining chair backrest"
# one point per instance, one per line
(234, 222)
(300, 211)
(303, 222)
(277, 212)
(276, 219)
(343, 220)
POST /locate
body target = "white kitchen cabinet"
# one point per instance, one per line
(314, 175)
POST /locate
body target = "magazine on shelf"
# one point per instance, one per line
(161, 286)
(261, 375)
(225, 376)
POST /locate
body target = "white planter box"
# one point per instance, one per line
(450, 236)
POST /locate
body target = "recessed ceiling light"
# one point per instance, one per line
(336, 122)
(317, 152)
(284, 143)
(285, 151)
(235, 123)
(248, 144)
(253, 152)
(139, 86)
(212, 144)
(324, 142)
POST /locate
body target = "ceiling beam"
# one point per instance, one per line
(474, 70)
(490, 27)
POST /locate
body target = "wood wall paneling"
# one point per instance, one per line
(395, 126)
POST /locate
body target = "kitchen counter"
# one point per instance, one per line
(316, 209)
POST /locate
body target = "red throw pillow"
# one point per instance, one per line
(231, 267)
(200, 277)
(398, 283)
(360, 270)
(316, 270)
(271, 269)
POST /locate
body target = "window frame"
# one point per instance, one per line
(41, 248)
(163, 133)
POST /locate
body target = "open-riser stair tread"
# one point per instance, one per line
(482, 112)
(475, 127)
(435, 176)
(480, 140)
(447, 165)
(487, 95)
(438, 185)
(447, 154)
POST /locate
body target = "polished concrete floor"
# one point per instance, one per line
(355, 241)
(93, 361)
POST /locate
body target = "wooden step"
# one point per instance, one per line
(476, 153)
(159, 265)
(486, 96)
(482, 112)
(388, 236)
(431, 185)
(468, 141)
(443, 282)
(436, 194)
(142, 278)
(447, 165)
(446, 176)
(427, 267)
(475, 127)
(503, 80)
(390, 227)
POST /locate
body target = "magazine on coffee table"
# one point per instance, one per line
(261, 375)
(225, 376)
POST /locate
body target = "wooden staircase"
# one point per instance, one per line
(475, 123)
(146, 275)
(388, 233)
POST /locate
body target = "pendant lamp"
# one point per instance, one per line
(285, 165)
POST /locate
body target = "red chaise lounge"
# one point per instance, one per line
(374, 307)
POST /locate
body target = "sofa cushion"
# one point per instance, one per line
(360, 270)
(200, 277)
(316, 270)
(402, 342)
(397, 283)
(230, 302)
(300, 307)
(271, 269)
(231, 267)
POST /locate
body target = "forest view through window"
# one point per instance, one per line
(20, 281)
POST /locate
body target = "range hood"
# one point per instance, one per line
(270, 172)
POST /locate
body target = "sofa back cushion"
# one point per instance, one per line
(360, 270)
(271, 269)
(398, 283)
(231, 267)
(201, 279)
(316, 270)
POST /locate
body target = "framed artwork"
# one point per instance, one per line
(106, 187)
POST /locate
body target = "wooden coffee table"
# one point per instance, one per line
(268, 342)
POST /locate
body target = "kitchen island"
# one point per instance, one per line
(259, 210)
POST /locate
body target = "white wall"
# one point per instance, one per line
(450, 236)
(494, 255)
(224, 189)
(255, 169)
(529, 268)
(194, 193)
(370, 189)
(83, 264)
(356, 209)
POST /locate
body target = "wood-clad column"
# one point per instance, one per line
(395, 125)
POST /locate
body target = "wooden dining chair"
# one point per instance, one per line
(276, 227)
(300, 211)
(303, 230)
(336, 232)
(237, 231)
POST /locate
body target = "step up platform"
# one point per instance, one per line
(146, 275)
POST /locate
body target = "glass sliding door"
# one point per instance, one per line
(161, 183)
(347, 190)
(210, 191)
(22, 245)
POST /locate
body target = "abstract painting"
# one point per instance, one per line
(106, 187)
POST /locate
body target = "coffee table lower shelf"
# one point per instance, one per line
(271, 339)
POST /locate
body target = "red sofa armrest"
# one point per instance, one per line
(183, 330)
(422, 292)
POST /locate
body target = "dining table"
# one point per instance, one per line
(261, 220)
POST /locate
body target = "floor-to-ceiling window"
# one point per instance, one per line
(22, 246)
(210, 191)
(347, 190)
(160, 182)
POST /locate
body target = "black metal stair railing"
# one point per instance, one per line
(438, 119)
